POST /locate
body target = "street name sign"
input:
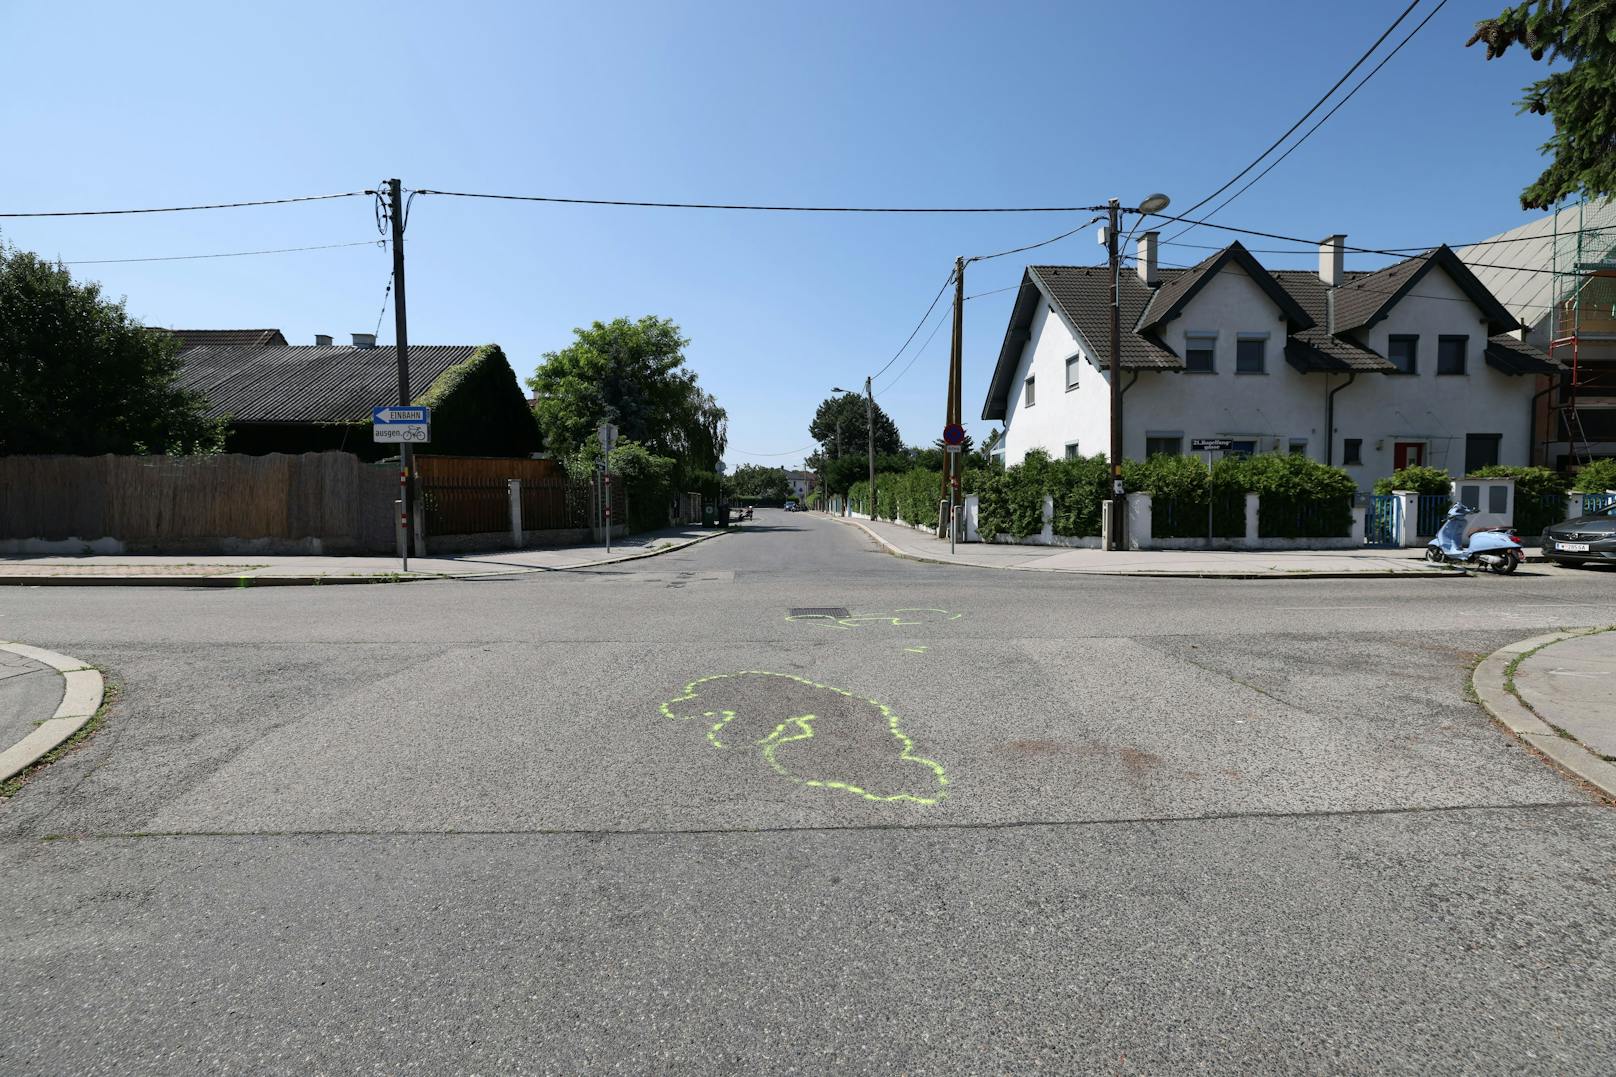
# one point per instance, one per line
(1210, 444)
(398, 423)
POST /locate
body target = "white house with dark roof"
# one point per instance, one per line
(1415, 363)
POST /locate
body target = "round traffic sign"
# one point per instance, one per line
(953, 434)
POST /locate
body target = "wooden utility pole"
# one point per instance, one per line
(1118, 503)
(869, 439)
(406, 478)
(951, 466)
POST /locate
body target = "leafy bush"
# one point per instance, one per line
(1419, 479)
(1078, 488)
(1597, 477)
(1011, 502)
(647, 483)
(1298, 497)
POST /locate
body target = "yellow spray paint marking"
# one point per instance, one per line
(790, 748)
(917, 650)
(896, 617)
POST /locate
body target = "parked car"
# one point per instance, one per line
(1585, 540)
(791, 506)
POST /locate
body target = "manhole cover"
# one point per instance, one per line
(837, 612)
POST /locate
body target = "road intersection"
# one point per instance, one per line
(569, 822)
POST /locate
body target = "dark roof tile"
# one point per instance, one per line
(199, 338)
(283, 384)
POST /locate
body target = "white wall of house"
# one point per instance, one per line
(1058, 417)
(1437, 409)
(1272, 408)
(1279, 409)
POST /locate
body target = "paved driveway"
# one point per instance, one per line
(642, 819)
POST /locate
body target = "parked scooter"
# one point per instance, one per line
(1496, 549)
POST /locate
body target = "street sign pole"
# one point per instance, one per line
(1209, 446)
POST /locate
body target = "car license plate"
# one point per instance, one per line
(1572, 547)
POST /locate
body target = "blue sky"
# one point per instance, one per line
(120, 105)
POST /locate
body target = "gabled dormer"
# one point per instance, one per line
(1174, 296)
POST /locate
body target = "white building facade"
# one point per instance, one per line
(1409, 365)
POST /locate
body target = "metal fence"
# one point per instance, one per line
(1313, 518)
(1592, 503)
(1431, 510)
(1533, 514)
(1383, 514)
(1184, 518)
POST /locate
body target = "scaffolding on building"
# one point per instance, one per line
(1584, 297)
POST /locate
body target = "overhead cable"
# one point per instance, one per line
(187, 209)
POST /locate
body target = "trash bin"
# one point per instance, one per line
(709, 514)
(723, 516)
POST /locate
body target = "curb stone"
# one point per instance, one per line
(312, 580)
(1490, 681)
(81, 698)
(1299, 574)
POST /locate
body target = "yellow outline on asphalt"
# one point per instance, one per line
(858, 620)
(804, 725)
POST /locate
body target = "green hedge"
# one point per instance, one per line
(1596, 478)
(1421, 480)
(911, 496)
(1301, 498)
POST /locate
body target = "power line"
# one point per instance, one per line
(995, 291)
(1034, 246)
(788, 452)
(916, 329)
(755, 207)
(231, 254)
(186, 209)
(1316, 106)
(918, 353)
(1308, 133)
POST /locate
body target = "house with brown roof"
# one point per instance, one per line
(1417, 363)
(277, 397)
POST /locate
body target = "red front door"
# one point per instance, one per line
(1408, 454)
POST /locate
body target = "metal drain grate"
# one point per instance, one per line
(837, 612)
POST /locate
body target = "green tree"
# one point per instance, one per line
(80, 376)
(754, 480)
(633, 375)
(1582, 150)
(840, 425)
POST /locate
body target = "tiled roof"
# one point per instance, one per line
(1514, 356)
(282, 384)
(1174, 294)
(1316, 350)
(1083, 294)
(1361, 302)
(199, 338)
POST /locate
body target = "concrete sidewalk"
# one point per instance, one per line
(1205, 564)
(258, 570)
(1558, 694)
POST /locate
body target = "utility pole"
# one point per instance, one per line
(869, 432)
(406, 477)
(956, 350)
(1118, 503)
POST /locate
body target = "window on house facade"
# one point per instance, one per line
(1450, 354)
(1200, 350)
(1352, 452)
(1298, 446)
(1481, 450)
(1029, 392)
(1404, 353)
(1164, 445)
(1074, 365)
(1242, 447)
(1250, 354)
(1071, 450)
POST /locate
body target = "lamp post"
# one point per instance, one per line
(869, 429)
(1154, 203)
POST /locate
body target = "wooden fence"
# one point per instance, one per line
(313, 502)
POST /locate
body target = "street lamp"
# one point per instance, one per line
(869, 430)
(1153, 203)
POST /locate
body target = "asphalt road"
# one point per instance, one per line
(638, 819)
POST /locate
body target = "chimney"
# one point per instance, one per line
(322, 340)
(1147, 258)
(364, 340)
(1332, 260)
